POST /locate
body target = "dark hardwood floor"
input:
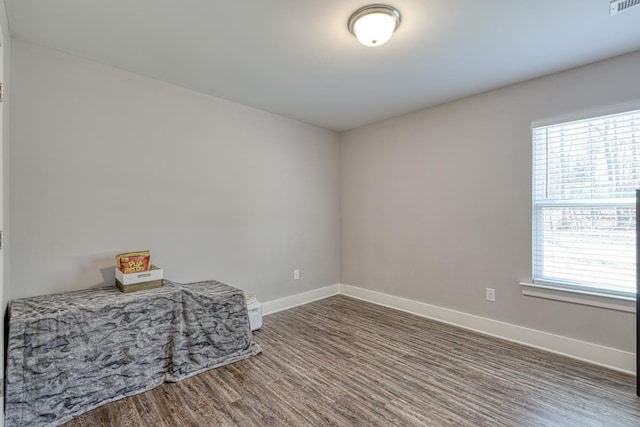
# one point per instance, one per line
(340, 361)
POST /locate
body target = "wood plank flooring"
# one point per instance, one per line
(344, 362)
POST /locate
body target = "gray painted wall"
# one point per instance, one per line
(104, 161)
(4, 174)
(436, 205)
(433, 206)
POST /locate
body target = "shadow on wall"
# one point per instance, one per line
(85, 276)
(108, 275)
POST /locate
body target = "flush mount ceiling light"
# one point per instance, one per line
(373, 25)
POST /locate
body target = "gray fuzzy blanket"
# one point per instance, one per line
(69, 353)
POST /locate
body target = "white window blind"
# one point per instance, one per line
(585, 174)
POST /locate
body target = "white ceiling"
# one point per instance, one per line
(296, 57)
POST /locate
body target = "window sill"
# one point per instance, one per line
(611, 302)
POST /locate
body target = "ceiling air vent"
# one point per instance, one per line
(618, 6)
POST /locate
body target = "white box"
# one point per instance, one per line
(140, 280)
(254, 308)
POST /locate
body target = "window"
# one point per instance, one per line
(585, 174)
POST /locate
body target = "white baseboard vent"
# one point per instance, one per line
(593, 353)
(618, 6)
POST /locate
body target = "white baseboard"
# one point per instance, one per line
(291, 301)
(593, 353)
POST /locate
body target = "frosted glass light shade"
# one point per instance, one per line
(374, 29)
(374, 25)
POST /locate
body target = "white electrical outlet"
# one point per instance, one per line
(296, 274)
(491, 295)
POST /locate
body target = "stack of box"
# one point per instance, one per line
(134, 272)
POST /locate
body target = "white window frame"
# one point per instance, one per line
(566, 292)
